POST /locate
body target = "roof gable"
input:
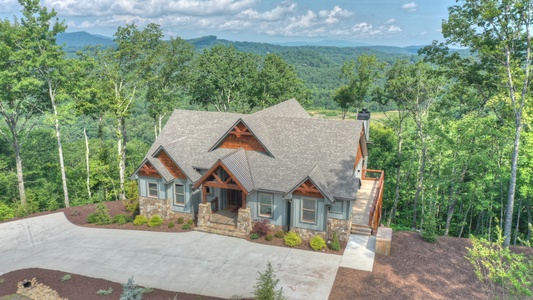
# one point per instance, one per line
(169, 163)
(240, 136)
(147, 170)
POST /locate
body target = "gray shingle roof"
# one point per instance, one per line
(301, 147)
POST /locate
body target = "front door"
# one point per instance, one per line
(236, 197)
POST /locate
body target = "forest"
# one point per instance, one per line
(454, 134)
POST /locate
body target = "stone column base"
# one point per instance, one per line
(244, 220)
(204, 214)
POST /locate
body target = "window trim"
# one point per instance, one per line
(176, 203)
(271, 205)
(148, 189)
(302, 211)
(331, 210)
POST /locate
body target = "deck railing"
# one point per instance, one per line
(375, 212)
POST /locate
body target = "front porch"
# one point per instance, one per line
(228, 216)
(366, 211)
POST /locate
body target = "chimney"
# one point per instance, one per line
(364, 115)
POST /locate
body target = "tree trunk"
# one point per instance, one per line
(59, 147)
(398, 173)
(420, 185)
(512, 184)
(20, 176)
(121, 146)
(87, 162)
(453, 200)
(517, 221)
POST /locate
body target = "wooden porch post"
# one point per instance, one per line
(204, 194)
(243, 199)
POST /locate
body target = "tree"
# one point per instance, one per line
(266, 286)
(224, 78)
(277, 81)
(168, 76)
(119, 74)
(497, 32)
(360, 76)
(19, 88)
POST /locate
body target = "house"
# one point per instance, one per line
(278, 166)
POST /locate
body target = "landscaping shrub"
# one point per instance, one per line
(254, 236)
(105, 292)
(130, 291)
(155, 221)
(101, 214)
(180, 221)
(280, 234)
(292, 239)
(335, 243)
(261, 228)
(140, 220)
(171, 225)
(91, 218)
(66, 277)
(131, 205)
(317, 243)
(265, 289)
(120, 219)
(190, 222)
(6, 212)
(268, 237)
(185, 226)
(429, 234)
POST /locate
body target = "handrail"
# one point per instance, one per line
(375, 212)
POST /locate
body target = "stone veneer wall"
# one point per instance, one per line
(341, 227)
(204, 214)
(308, 234)
(149, 207)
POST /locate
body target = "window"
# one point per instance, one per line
(152, 189)
(179, 194)
(336, 208)
(265, 204)
(309, 210)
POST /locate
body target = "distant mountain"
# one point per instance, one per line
(325, 43)
(81, 39)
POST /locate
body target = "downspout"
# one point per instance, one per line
(289, 224)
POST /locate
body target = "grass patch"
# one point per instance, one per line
(66, 277)
(105, 292)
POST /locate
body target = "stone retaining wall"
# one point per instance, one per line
(341, 227)
(149, 207)
(308, 234)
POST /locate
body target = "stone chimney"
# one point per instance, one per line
(364, 115)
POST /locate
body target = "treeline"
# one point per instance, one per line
(456, 147)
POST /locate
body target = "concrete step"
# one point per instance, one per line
(361, 230)
(221, 230)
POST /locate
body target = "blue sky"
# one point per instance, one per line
(379, 22)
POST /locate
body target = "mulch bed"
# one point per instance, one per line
(80, 287)
(304, 246)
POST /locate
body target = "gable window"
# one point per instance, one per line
(308, 210)
(152, 189)
(179, 194)
(336, 207)
(265, 204)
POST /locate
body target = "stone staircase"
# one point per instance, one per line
(361, 230)
(222, 229)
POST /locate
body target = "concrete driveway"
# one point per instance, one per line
(193, 262)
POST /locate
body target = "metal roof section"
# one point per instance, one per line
(237, 164)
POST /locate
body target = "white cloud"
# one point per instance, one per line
(334, 16)
(365, 30)
(410, 7)
(9, 6)
(278, 13)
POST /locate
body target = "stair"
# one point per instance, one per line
(361, 230)
(221, 229)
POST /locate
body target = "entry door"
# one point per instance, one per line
(236, 197)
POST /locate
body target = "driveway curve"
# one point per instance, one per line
(193, 262)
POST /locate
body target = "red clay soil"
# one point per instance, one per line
(80, 287)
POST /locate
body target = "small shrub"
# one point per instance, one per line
(180, 221)
(91, 218)
(185, 226)
(261, 228)
(269, 237)
(120, 219)
(280, 234)
(131, 205)
(292, 239)
(129, 218)
(130, 291)
(429, 234)
(254, 236)
(101, 214)
(190, 222)
(147, 290)
(266, 286)
(170, 225)
(335, 244)
(105, 292)
(317, 243)
(66, 277)
(155, 221)
(140, 220)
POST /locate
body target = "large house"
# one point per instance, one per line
(278, 166)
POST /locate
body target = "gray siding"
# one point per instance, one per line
(143, 187)
(345, 214)
(320, 224)
(188, 200)
(279, 209)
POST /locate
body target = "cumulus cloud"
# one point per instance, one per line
(334, 16)
(278, 13)
(366, 30)
(410, 7)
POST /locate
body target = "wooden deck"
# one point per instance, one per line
(363, 204)
(226, 216)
